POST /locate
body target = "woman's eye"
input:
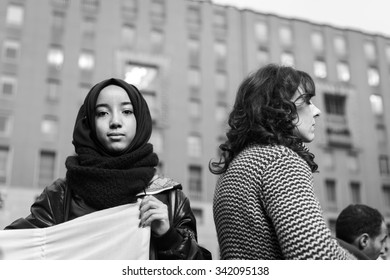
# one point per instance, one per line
(127, 112)
(101, 114)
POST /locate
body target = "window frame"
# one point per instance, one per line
(11, 44)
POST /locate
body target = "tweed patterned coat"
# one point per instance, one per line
(265, 208)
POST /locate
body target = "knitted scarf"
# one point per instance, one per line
(105, 182)
(104, 179)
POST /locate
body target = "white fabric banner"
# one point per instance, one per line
(110, 234)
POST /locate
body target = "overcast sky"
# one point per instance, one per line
(371, 16)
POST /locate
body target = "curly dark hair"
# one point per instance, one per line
(264, 114)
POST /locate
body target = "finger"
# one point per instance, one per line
(149, 219)
(147, 214)
(152, 205)
(150, 216)
(148, 199)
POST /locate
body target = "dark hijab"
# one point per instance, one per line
(84, 134)
(102, 178)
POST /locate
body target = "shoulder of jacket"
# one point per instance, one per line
(269, 153)
(58, 185)
(160, 184)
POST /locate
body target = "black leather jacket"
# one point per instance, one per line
(57, 204)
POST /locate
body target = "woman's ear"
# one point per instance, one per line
(363, 240)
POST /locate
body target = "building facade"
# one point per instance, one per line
(187, 58)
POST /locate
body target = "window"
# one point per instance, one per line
(370, 50)
(352, 163)
(330, 186)
(221, 82)
(388, 53)
(144, 77)
(219, 19)
(262, 56)
(195, 182)
(221, 112)
(86, 60)
(157, 9)
(88, 28)
(194, 145)
(55, 57)
(376, 104)
(261, 32)
(11, 51)
(2, 200)
(285, 36)
(340, 45)
(157, 140)
(382, 134)
(194, 52)
(384, 167)
(287, 59)
(220, 50)
(355, 192)
(195, 108)
(60, 3)
(328, 160)
(320, 69)
(128, 35)
(49, 127)
(8, 86)
(58, 21)
(317, 42)
(92, 5)
(53, 89)
(335, 104)
(4, 162)
(130, 6)
(15, 15)
(46, 168)
(194, 17)
(157, 40)
(343, 73)
(373, 76)
(5, 124)
(386, 195)
(194, 78)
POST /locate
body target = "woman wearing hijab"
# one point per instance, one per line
(115, 165)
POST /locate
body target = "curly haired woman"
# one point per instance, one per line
(264, 203)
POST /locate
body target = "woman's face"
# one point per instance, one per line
(307, 113)
(114, 119)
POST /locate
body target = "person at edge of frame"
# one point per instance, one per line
(362, 231)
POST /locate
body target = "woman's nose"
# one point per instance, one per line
(115, 120)
(316, 111)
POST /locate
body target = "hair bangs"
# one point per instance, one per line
(308, 85)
